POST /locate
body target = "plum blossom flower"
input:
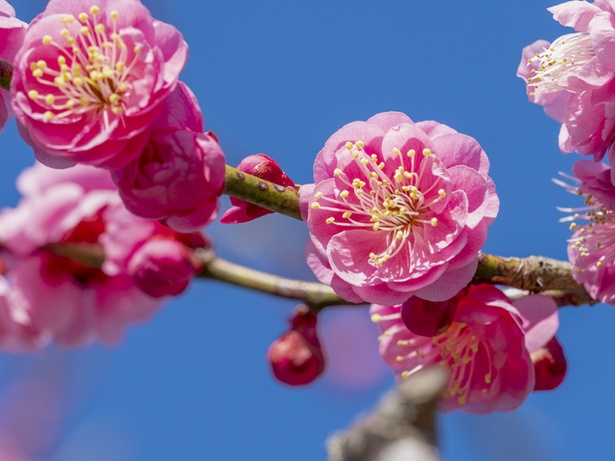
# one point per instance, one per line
(398, 209)
(90, 80)
(50, 297)
(590, 248)
(12, 32)
(572, 77)
(264, 167)
(487, 347)
(179, 176)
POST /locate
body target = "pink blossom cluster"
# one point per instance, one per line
(77, 266)
(97, 82)
(398, 209)
(497, 350)
(573, 77)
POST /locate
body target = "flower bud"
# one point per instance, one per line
(549, 365)
(162, 267)
(296, 358)
(264, 167)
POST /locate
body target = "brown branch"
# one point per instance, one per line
(6, 72)
(401, 428)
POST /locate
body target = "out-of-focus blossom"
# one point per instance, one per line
(12, 32)
(180, 174)
(296, 358)
(572, 77)
(398, 209)
(487, 347)
(91, 78)
(550, 366)
(590, 249)
(264, 167)
(163, 267)
(51, 297)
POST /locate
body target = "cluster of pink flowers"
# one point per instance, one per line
(573, 77)
(497, 351)
(96, 82)
(398, 209)
(49, 295)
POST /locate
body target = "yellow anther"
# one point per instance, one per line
(376, 226)
(337, 172)
(49, 99)
(70, 104)
(344, 194)
(115, 14)
(315, 206)
(396, 151)
(399, 235)
(434, 222)
(411, 153)
(83, 17)
(355, 154)
(59, 81)
(33, 94)
(374, 158)
(330, 220)
(37, 73)
(488, 378)
(68, 19)
(364, 161)
(78, 81)
(426, 152)
(376, 318)
(381, 166)
(65, 33)
(356, 182)
(348, 145)
(372, 256)
(85, 30)
(399, 358)
(360, 144)
(347, 214)
(114, 98)
(374, 218)
(117, 110)
(83, 101)
(70, 41)
(99, 28)
(462, 400)
(120, 66)
(441, 193)
(137, 49)
(360, 191)
(572, 225)
(373, 175)
(48, 115)
(405, 374)
(317, 195)
(407, 174)
(115, 37)
(47, 40)
(94, 9)
(599, 264)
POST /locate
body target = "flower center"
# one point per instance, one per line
(596, 239)
(397, 204)
(91, 72)
(563, 58)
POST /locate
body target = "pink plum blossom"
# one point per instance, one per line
(487, 347)
(51, 297)
(398, 209)
(12, 32)
(264, 167)
(590, 249)
(572, 77)
(179, 175)
(91, 78)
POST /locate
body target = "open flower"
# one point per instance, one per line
(590, 249)
(572, 77)
(91, 78)
(398, 209)
(487, 347)
(12, 32)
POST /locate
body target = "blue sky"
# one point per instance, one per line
(280, 77)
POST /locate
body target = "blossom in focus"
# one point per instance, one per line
(487, 347)
(590, 249)
(12, 32)
(48, 296)
(572, 77)
(179, 174)
(264, 167)
(91, 78)
(296, 358)
(398, 209)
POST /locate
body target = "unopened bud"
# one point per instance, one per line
(550, 366)
(428, 318)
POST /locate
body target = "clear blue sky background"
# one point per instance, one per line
(279, 77)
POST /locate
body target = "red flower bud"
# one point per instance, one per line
(296, 358)
(550, 366)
